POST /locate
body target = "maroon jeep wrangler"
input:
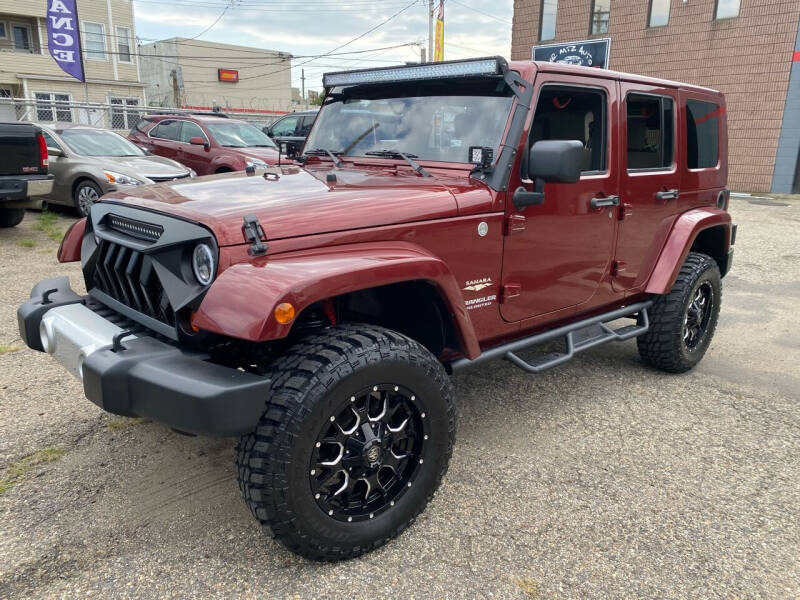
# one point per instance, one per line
(443, 215)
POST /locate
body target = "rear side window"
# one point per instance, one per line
(167, 130)
(565, 113)
(305, 128)
(702, 134)
(650, 122)
(286, 127)
(141, 125)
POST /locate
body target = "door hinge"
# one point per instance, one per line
(617, 267)
(515, 224)
(625, 210)
(509, 291)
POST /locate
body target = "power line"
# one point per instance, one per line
(210, 27)
(485, 14)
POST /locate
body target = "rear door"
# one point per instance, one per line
(165, 138)
(650, 181)
(557, 254)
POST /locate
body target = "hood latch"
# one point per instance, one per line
(254, 233)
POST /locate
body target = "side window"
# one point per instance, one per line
(286, 127)
(305, 128)
(702, 134)
(167, 130)
(650, 122)
(191, 130)
(50, 140)
(565, 113)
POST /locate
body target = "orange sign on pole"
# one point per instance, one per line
(438, 52)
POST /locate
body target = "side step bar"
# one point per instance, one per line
(577, 336)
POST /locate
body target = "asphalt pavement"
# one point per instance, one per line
(599, 479)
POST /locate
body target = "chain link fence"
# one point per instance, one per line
(119, 114)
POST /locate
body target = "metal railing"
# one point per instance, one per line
(120, 114)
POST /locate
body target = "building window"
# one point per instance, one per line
(702, 134)
(565, 113)
(53, 108)
(727, 9)
(94, 40)
(3, 31)
(123, 113)
(650, 122)
(547, 21)
(659, 13)
(124, 44)
(601, 12)
(22, 38)
(5, 93)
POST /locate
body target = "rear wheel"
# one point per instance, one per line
(11, 217)
(86, 193)
(683, 321)
(355, 439)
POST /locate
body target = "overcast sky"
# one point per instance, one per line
(314, 27)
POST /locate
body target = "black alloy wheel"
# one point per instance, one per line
(698, 315)
(366, 456)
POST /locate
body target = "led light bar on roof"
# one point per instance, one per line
(459, 68)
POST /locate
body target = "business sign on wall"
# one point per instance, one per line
(588, 53)
(228, 75)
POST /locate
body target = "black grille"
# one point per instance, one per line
(158, 178)
(134, 228)
(128, 277)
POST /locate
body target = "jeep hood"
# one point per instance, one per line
(299, 202)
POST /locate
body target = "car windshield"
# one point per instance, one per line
(239, 135)
(436, 121)
(96, 142)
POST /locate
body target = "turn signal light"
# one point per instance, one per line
(194, 327)
(284, 313)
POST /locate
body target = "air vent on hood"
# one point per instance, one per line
(134, 228)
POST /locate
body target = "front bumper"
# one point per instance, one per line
(143, 376)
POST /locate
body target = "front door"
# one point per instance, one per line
(557, 254)
(191, 155)
(650, 198)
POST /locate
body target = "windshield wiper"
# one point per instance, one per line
(324, 151)
(406, 157)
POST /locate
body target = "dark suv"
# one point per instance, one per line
(292, 130)
(207, 144)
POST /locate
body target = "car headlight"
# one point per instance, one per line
(255, 162)
(203, 264)
(121, 179)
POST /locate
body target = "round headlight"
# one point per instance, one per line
(203, 263)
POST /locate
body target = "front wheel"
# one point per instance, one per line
(683, 321)
(355, 439)
(86, 193)
(11, 217)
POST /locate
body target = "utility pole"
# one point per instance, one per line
(430, 29)
(302, 84)
(422, 54)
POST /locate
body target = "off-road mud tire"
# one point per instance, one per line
(308, 383)
(663, 345)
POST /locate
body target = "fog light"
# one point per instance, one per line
(284, 313)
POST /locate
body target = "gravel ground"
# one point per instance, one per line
(600, 479)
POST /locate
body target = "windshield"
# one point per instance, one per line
(239, 135)
(96, 142)
(431, 120)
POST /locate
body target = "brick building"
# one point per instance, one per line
(748, 49)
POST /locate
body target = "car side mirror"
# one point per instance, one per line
(197, 141)
(269, 133)
(54, 151)
(557, 161)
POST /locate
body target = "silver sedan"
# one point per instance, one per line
(88, 162)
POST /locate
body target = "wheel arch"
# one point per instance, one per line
(705, 230)
(354, 276)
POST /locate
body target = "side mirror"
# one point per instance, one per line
(269, 133)
(54, 151)
(558, 161)
(197, 141)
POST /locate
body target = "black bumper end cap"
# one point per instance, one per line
(149, 378)
(30, 314)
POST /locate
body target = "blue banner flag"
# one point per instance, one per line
(63, 36)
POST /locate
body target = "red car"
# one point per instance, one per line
(441, 216)
(207, 144)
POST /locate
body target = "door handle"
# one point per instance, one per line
(603, 202)
(668, 195)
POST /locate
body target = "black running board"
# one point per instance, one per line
(577, 336)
